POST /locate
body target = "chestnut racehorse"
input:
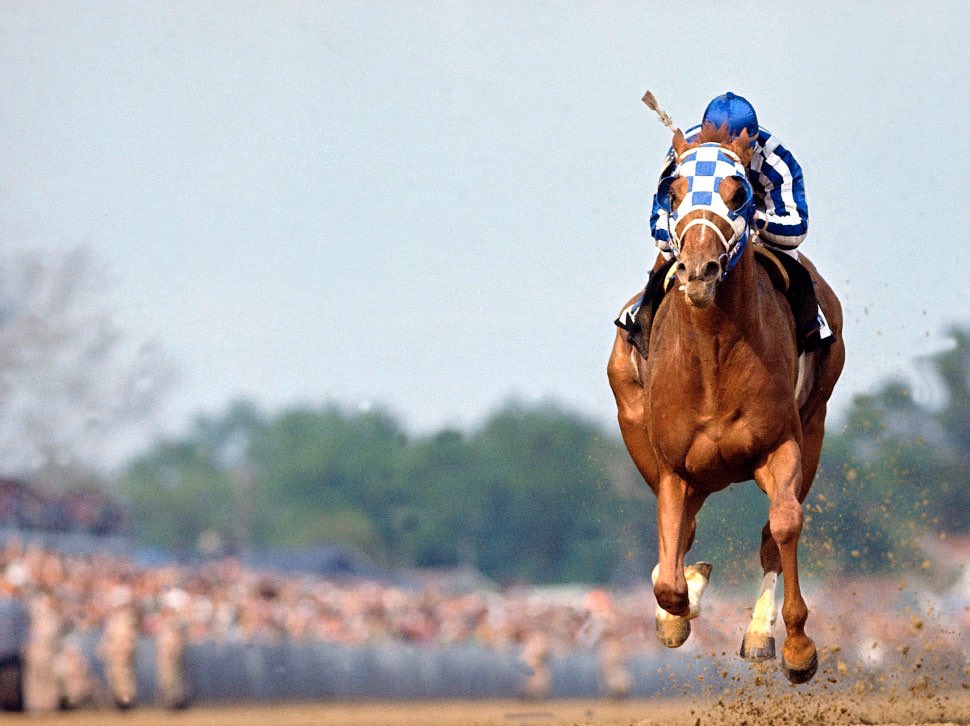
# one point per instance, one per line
(722, 397)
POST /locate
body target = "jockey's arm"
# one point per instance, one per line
(782, 216)
(658, 217)
(658, 229)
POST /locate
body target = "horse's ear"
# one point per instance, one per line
(680, 143)
(742, 147)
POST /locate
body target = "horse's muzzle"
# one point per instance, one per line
(700, 294)
(699, 283)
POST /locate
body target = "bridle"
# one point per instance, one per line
(705, 167)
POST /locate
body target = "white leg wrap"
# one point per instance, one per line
(696, 584)
(765, 608)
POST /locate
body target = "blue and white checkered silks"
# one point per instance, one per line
(705, 167)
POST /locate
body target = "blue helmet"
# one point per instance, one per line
(733, 110)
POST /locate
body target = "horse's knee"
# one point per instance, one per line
(785, 520)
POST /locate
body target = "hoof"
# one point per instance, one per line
(758, 647)
(673, 632)
(800, 675)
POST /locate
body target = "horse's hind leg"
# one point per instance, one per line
(781, 479)
(624, 380)
(758, 643)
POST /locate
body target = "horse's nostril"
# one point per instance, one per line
(711, 270)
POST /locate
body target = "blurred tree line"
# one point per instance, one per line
(541, 494)
(527, 496)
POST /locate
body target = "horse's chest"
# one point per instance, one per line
(719, 408)
(723, 446)
(719, 445)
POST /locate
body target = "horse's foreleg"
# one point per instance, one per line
(677, 589)
(697, 577)
(781, 479)
(759, 643)
(673, 532)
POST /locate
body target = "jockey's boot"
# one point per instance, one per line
(813, 329)
(823, 336)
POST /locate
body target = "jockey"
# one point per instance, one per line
(781, 211)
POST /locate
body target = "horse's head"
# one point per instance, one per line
(709, 203)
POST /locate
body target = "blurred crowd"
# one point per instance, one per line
(87, 511)
(67, 598)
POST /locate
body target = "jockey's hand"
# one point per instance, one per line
(758, 220)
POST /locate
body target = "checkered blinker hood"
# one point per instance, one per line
(705, 167)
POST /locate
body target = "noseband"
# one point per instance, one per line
(705, 167)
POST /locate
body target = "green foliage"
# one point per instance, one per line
(548, 511)
(527, 497)
(176, 494)
(729, 532)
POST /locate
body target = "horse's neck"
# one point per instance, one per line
(739, 297)
(736, 312)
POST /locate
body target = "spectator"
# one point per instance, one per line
(536, 653)
(169, 651)
(42, 693)
(615, 677)
(79, 689)
(117, 649)
(180, 606)
(13, 639)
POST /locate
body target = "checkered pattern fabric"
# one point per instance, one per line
(779, 191)
(705, 168)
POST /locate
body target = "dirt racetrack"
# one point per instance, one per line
(792, 707)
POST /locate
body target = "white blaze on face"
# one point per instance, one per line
(765, 608)
(696, 584)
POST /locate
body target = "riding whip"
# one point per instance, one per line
(651, 101)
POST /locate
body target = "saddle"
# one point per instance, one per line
(786, 274)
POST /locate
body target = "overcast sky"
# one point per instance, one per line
(436, 206)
